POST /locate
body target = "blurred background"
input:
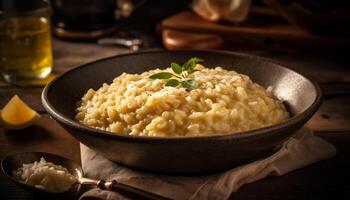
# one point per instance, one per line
(79, 31)
(281, 25)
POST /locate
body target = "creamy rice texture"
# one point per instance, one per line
(224, 102)
(46, 176)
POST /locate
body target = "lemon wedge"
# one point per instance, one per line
(17, 115)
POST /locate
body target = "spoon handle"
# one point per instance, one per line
(114, 185)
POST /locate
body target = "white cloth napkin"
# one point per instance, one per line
(303, 149)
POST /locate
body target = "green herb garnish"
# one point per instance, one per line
(181, 75)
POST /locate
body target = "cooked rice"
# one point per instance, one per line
(224, 102)
(46, 176)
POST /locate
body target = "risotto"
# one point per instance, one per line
(223, 102)
(46, 176)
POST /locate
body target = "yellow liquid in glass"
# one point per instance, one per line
(25, 48)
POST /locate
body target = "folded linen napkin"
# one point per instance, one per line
(303, 149)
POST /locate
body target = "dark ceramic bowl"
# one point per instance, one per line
(183, 154)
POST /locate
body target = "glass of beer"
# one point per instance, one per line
(25, 40)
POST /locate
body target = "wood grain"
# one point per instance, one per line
(32, 96)
(68, 55)
(333, 115)
(321, 68)
(45, 135)
(255, 33)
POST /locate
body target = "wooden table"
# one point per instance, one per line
(328, 179)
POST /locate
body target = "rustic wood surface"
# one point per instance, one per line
(257, 32)
(325, 180)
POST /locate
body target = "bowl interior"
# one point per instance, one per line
(297, 92)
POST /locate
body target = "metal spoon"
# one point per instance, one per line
(15, 161)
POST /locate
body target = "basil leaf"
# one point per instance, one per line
(196, 60)
(176, 68)
(161, 75)
(180, 78)
(185, 66)
(191, 63)
(190, 84)
(172, 83)
(193, 71)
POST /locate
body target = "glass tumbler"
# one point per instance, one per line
(25, 40)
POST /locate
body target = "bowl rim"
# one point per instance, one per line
(302, 117)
